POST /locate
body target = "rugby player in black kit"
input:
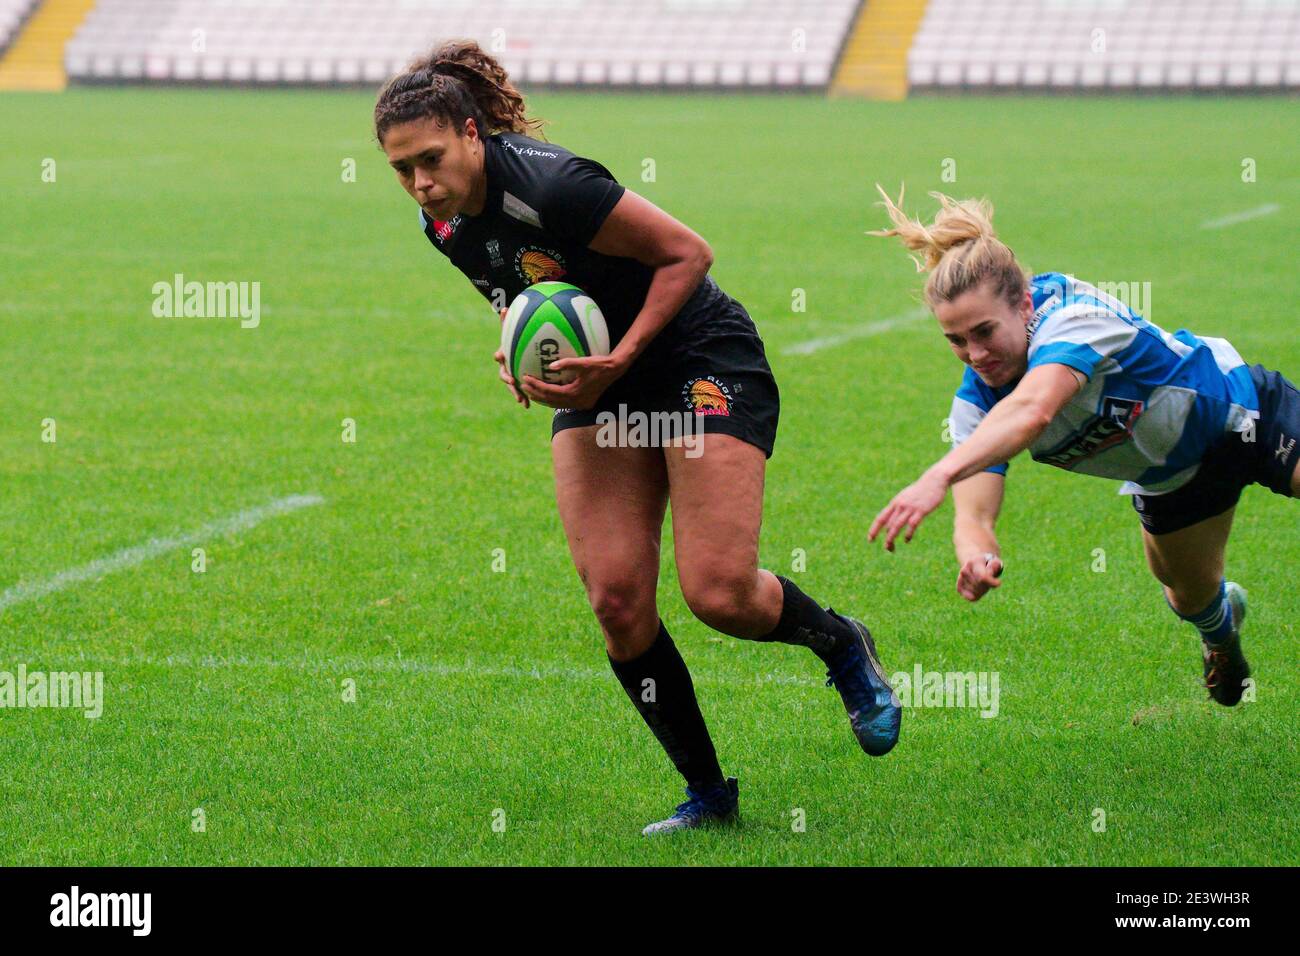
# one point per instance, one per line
(510, 210)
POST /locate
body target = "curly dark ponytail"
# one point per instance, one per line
(456, 82)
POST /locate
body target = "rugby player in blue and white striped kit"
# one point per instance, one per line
(1073, 375)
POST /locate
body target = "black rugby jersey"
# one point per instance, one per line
(544, 205)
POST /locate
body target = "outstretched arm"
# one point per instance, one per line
(978, 501)
(1005, 432)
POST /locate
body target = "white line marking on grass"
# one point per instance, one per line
(861, 332)
(1256, 213)
(129, 557)
(468, 668)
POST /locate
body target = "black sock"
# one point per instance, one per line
(659, 686)
(804, 621)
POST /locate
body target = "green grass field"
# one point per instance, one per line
(479, 691)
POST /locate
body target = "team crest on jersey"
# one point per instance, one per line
(1112, 427)
(535, 264)
(707, 396)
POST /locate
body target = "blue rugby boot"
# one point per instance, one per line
(875, 712)
(715, 806)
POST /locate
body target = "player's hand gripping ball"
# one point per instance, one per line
(550, 321)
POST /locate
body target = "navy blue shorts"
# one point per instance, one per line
(1235, 462)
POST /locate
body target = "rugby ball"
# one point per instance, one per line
(549, 321)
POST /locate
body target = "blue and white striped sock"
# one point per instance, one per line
(1215, 622)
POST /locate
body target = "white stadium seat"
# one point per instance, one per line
(76, 61)
(649, 73)
(1006, 74)
(212, 67)
(266, 70)
(320, 69)
(348, 70)
(13, 13)
(621, 73)
(921, 73)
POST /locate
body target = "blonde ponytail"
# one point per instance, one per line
(960, 249)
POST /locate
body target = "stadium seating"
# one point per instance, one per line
(12, 14)
(1107, 44)
(656, 43)
(960, 44)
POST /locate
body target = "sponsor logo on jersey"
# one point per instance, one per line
(1112, 427)
(1040, 313)
(528, 150)
(445, 229)
(539, 265)
(707, 396)
(494, 253)
(1055, 295)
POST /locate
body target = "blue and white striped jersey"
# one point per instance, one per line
(1153, 404)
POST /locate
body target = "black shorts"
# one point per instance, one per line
(1267, 457)
(710, 376)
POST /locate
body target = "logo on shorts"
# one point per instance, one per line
(707, 396)
(1284, 449)
(539, 265)
(1149, 521)
(1112, 427)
